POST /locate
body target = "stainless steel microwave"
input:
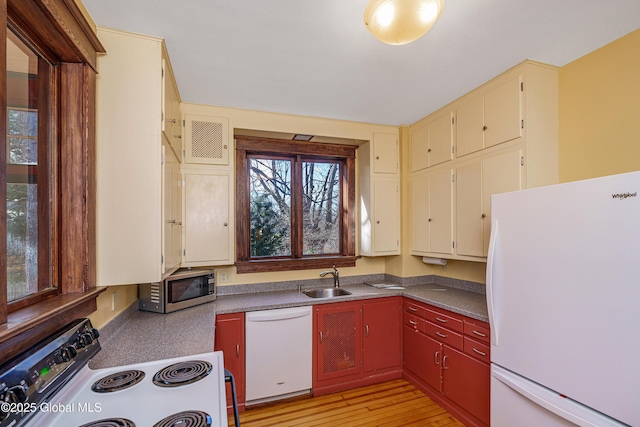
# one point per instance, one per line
(184, 288)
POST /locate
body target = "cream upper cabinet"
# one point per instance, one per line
(490, 119)
(207, 139)
(431, 213)
(475, 183)
(172, 205)
(134, 240)
(379, 195)
(385, 153)
(469, 128)
(432, 142)
(209, 217)
(503, 112)
(386, 199)
(506, 138)
(172, 123)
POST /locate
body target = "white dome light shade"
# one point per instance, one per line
(401, 21)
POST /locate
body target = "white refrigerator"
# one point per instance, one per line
(563, 296)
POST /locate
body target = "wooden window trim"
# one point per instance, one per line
(60, 32)
(268, 146)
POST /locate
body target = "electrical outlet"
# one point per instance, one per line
(223, 276)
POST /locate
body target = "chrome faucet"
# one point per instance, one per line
(335, 274)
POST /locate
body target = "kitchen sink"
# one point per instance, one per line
(326, 293)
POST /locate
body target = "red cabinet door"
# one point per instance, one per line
(466, 382)
(229, 339)
(338, 341)
(381, 329)
(422, 355)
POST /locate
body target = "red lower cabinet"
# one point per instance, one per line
(229, 338)
(466, 382)
(445, 363)
(356, 343)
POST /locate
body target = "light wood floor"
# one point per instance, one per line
(393, 403)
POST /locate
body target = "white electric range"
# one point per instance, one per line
(52, 385)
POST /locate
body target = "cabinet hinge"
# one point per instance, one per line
(184, 252)
(183, 124)
(161, 259)
(522, 124)
(162, 159)
(453, 244)
(521, 86)
(453, 120)
(453, 149)
(522, 161)
(162, 116)
(453, 178)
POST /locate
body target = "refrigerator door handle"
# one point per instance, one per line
(493, 241)
(553, 402)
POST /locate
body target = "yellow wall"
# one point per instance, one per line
(112, 302)
(599, 111)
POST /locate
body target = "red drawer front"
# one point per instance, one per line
(414, 308)
(478, 331)
(445, 320)
(443, 335)
(413, 322)
(477, 349)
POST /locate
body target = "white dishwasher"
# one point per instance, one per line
(278, 357)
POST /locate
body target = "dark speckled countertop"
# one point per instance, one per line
(138, 336)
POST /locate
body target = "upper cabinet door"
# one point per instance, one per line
(440, 140)
(387, 216)
(419, 148)
(385, 153)
(440, 212)
(469, 217)
(207, 140)
(470, 123)
(419, 213)
(503, 113)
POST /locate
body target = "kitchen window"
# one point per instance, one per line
(47, 170)
(295, 205)
(28, 167)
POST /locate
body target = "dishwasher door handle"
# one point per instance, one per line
(278, 314)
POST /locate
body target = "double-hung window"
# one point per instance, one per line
(295, 205)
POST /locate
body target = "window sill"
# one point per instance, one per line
(27, 326)
(265, 266)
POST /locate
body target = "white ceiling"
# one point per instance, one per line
(316, 58)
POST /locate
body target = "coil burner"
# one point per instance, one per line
(111, 422)
(182, 373)
(118, 381)
(186, 419)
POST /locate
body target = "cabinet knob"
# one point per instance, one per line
(484, 215)
(377, 157)
(484, 128)
(377, 222)
(177, 136)
(225, 224)
(171, 121)
(429, 220)
(172, 221)
(428, 150)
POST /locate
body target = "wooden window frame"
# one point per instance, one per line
(58, 30)
(346, 154)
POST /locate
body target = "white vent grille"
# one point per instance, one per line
(207, 140)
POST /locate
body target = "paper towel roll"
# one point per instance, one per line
(432, 260)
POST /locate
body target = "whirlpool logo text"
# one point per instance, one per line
(623, 196)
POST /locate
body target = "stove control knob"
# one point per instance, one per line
(15, 394)
(67, 354)
(78, 344)
(86, 339)
(94, 333)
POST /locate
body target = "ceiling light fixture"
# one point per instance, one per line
(401, 21)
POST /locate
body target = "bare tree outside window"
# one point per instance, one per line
(320, 208)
